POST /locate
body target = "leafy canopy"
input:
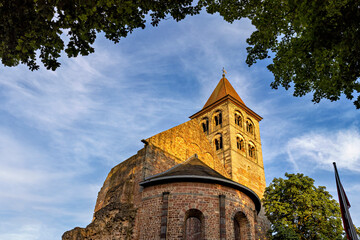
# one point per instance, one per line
(299, 210)
(28, 26)
(315, 44)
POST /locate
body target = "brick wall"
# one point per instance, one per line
(186, 196)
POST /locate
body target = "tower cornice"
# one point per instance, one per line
(224, 99)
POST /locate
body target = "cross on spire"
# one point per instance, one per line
(224, 72)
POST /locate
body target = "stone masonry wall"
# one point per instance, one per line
(224, 153)
(185, 196)
(246, 170)
(242, 169)
(184, 141)
(116, 205)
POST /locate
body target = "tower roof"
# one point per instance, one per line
(222, 90)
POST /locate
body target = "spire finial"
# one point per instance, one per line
(224, 72)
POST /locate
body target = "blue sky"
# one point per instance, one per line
(61, 132)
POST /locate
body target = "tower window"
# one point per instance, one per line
(249, 126)
(238, 119)
(205, 125)
(218, 118)
(240, 143)
(218, 142)
(252, 150)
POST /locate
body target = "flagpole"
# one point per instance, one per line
(344, 207)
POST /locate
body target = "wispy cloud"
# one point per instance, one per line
(49, 100)
(28, 231)
(317, 150)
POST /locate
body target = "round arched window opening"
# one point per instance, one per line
(241, 227)
(194, 225)
(240, 143)
(252, 150)
(205, 125)
(218, 142)
(217, 118)
(238, 118)
(249, 126)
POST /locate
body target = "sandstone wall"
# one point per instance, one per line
(116, 205)
(224, 153)
(245, 169)
(115, 221)
(242, 168)
(184, 141)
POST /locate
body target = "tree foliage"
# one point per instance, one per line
(299, 210)
(28, 26)
(315, 44)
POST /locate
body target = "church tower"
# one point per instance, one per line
(202, 179)
(233, 130)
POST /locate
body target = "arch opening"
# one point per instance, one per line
(240, 143)
(251, 150)
(238, 118)
(250, 126)
(217, 118)
(241, 227)
(218, 142)
(194, 225)
(205, 125)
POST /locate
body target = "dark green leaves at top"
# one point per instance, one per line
(34, 27)
(316, 44)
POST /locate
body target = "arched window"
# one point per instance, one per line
(205, 125)
(240, 143)
(252, 150)
(218, 141)
(238, 118)
(249, 126)
(217, 118)
(194, 225)
(241, 227)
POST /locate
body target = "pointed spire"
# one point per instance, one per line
(222, 90)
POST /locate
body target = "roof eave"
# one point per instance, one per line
(232, 99)
(207, 179)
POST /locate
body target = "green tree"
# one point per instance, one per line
(31, 26)
(315, 44)
(299, 210)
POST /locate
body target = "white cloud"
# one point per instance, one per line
(31, 176)
(28, 231)
(49, 100)
(318, 150)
